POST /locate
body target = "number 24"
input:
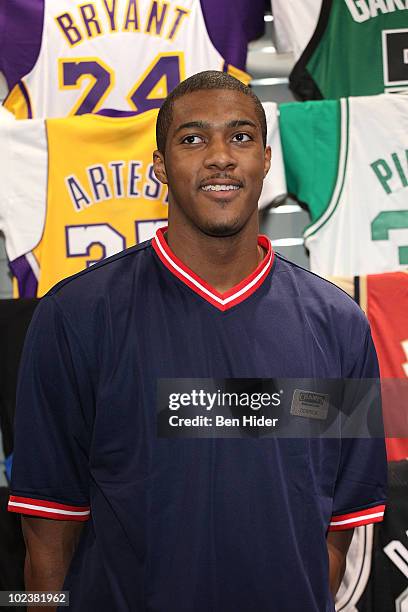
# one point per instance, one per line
(166, 70)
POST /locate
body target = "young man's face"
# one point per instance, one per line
(215, 161)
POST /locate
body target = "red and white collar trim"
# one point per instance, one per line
(222, 301)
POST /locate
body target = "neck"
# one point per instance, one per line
(221, 262)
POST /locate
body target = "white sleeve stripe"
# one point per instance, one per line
(50, 510)
(357, 519)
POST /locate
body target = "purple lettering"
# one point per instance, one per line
(77, 193)
(117, 177)
(134, 177)
(72, 73)
(181, 13)
(97, 179)
(111, 12)
(152, 191)
(131, 17)
(156, 18)
(89, 18)
(168, 67)
(72, 34)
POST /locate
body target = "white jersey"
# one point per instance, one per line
(117, 54)
(365, 227)
(5, 115)
(360, 226)
(294, 23)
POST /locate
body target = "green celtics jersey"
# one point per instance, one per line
(360, 47)
(348, 161)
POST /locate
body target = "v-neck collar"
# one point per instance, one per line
(222, 301)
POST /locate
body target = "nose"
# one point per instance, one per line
(220, 155)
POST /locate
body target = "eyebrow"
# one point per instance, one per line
(205, 125)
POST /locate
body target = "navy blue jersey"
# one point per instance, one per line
(193, 525)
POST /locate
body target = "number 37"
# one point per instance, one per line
(80, 239)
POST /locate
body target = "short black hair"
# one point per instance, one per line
(209, 79)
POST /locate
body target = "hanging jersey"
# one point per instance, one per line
(358, 567)
(379, 580)
(294, 23)
(76, 190)
(348, 163)
(387, 589)
(384, 299)
(120, 54)
(358, 48)
(97, 196)
(20, 37)
(387, 308)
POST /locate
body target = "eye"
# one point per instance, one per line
(241, 137)
(192, 139)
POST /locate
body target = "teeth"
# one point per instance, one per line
(220, 188)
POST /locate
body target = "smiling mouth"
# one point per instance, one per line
(220, 187)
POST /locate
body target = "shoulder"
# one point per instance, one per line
(337, 325)
(107, 279)
(87, 308)
(319, 296)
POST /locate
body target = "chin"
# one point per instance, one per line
(221, 229)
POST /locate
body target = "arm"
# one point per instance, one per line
(338, 543)
(50, 545)
(360, 490)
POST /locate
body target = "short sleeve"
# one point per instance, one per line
(310, 135)
(54, 421)
(231, 25)
(294, 24)
(2, 31)
(274, 185)
(23, 183)
(360, 490)
(21, 24)
(4, 170)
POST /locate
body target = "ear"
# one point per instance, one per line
(159, 167)
(267, 159)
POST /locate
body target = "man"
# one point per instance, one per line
(136, 521)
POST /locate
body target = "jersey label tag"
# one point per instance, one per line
(310, 404)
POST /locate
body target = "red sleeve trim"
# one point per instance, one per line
(47, 509)
(356, 519)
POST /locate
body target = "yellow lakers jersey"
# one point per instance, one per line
(88, 192)
(120, 54)
(78, 189)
